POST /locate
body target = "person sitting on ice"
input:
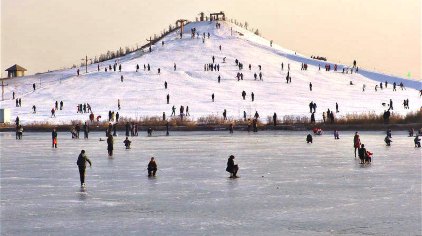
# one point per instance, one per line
(231, 167)
(152, 167)
(368, 157)
(127, 143)
(417, 141)
(309, 138)
(362, 154)
(388, 140)
(317, 131)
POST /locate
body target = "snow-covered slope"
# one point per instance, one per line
(142, 93)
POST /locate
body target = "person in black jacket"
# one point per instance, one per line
(110, 144)
(309, 138)
(127, 143)
(127, 128)
(85, 127)
(82, 160)
(77, 129)
(152, 167)
(362, 154)
(54, 138)
(231, 167)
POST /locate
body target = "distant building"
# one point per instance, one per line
(15, 71)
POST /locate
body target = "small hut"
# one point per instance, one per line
(15, 71)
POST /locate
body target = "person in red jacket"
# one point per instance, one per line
(356, 142)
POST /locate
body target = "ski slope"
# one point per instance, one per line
(142, 93)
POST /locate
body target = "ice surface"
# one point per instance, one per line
(142, 93)
(287, 187)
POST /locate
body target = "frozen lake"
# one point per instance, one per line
(287, 187)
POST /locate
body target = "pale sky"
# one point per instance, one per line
(384, 35)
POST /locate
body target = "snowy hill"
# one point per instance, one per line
(143, 94)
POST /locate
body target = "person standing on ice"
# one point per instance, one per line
(13, 95)
(168, 98)
(110, 145)
(231, 128)
(167, 129)
(127, 126)
(253, 96)
(310, 86)
(243, 94)
(213, 59)
(337, 111)
(117, 117)
(137, 67)
(356, 142)
(165, 84)
(224, 114)
(336, 134)
(54, 138)
(275, 119)
(313, 118)
(77, 72)
(81, 162)
(255, 125)
(34, 108)
(19, 130)
(231, 167)
(33, 86)
(388, 140)
(85, 128)
(174, 66)
(391, 104)
(311, 105)
(77, 129)
(212, 97)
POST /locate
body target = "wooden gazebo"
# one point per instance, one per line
(15, 71)
(216, 16)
